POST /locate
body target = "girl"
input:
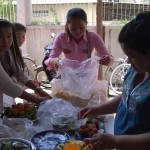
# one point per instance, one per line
(76, 42)
(12, 66)
(132, 122)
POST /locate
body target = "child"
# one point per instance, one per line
(11, 65)
(132, 108)
(20, 30)
(77, 43)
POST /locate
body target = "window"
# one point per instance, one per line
(40, 13)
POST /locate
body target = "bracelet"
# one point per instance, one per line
(38, 88)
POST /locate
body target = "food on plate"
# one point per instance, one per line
(25, 110)
(90, 128)
(64, 123)
(75, 145)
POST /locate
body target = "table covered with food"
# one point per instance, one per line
(53, 125)
(50, 128)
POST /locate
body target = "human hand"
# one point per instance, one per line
(41, 99)
(54, 62)
(102, 141)
(42, 93)
(88, 111)
(38, 83)
(105, 60)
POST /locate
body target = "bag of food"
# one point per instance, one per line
(60, 114)
(79, 81)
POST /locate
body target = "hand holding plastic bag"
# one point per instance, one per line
(78, 78)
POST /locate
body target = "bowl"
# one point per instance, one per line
(25, 110)
(49, 139)
(16, 143)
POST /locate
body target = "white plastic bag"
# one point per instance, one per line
(79, 81)
(7, 132)
(59, 114)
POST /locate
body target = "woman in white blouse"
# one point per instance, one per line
(12, 66)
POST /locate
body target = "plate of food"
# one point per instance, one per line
(89, 128)
(75, 145)
(21, 110)
(16, 144)
(64, 123)
(49, 139)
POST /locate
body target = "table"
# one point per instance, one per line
(39, 126)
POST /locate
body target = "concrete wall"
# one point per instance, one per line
(111, 40)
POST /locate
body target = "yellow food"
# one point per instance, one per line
(75, 145)
(72, 146)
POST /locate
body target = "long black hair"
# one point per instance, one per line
(75, 13)
(19, 26)
(14, 47)
(136, 34)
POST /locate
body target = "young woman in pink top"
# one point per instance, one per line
(77, 43)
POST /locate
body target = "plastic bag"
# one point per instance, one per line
(59, 113)
(18, 125)
(7, 132)
(79, 82)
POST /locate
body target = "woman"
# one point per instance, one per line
(12, 66)
(132, 108)
(77, 43)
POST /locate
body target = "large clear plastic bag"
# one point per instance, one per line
(79, 82)
(59, 113)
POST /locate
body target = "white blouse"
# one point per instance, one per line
(7, 85)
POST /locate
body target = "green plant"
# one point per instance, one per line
(40, 22)
(54, 14)
(7, 10)
(118, 22)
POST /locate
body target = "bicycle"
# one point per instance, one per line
(115, 74)
(30, 65)
(36, 72)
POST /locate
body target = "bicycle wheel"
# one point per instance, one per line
(111, 68)
(117, 78)
(42, 78)
(29, 66)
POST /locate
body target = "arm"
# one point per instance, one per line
(121, 142)
(51, 62)
(104, 108)
(7, 86)
(106, 58)
(31, 98)
(110, 106)
(133, 142)
(26, 80)
(30, 84)
(14, 90)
